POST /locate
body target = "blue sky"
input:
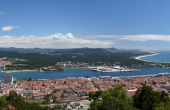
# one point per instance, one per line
(127, 24)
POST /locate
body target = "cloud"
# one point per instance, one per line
(1, 13)
(148, 41)
(60, 41)
(145, 37)
(142, 38)
(9, 28)
(52, 41)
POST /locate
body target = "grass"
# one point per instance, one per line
(38, 101)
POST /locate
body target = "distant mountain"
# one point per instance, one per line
(46, 50)
(81, 51)
(67, 51)
(27, 50)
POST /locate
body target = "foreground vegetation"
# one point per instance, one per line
(113, 99)
(16, 102)
(116, 99)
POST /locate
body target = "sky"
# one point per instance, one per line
(122, 24)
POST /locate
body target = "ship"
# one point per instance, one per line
(112, 69)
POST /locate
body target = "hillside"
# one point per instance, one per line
(88, 56)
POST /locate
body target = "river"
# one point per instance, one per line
(81, 72)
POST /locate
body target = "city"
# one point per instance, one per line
(76, 90)
(84, 55)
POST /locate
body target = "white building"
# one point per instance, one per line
(8, 79)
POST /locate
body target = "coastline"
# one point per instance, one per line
(151, 54)
(12, 71)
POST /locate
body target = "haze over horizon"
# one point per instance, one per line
(62, 24)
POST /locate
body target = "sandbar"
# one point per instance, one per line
(151, 54)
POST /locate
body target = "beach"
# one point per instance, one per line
(151, 54)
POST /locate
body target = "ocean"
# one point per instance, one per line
(158, 57)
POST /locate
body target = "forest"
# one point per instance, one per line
(90, 56)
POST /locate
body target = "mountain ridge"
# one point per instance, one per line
(70, 50)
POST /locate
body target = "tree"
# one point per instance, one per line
(96, 95)
(164, 97)
(14, 97)
(96, 105)
(29, 79)
(163, 106)
(55, 91)
(47, 99)
(18, 102)
(3, 102)
(146, 99)
(113, 99)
